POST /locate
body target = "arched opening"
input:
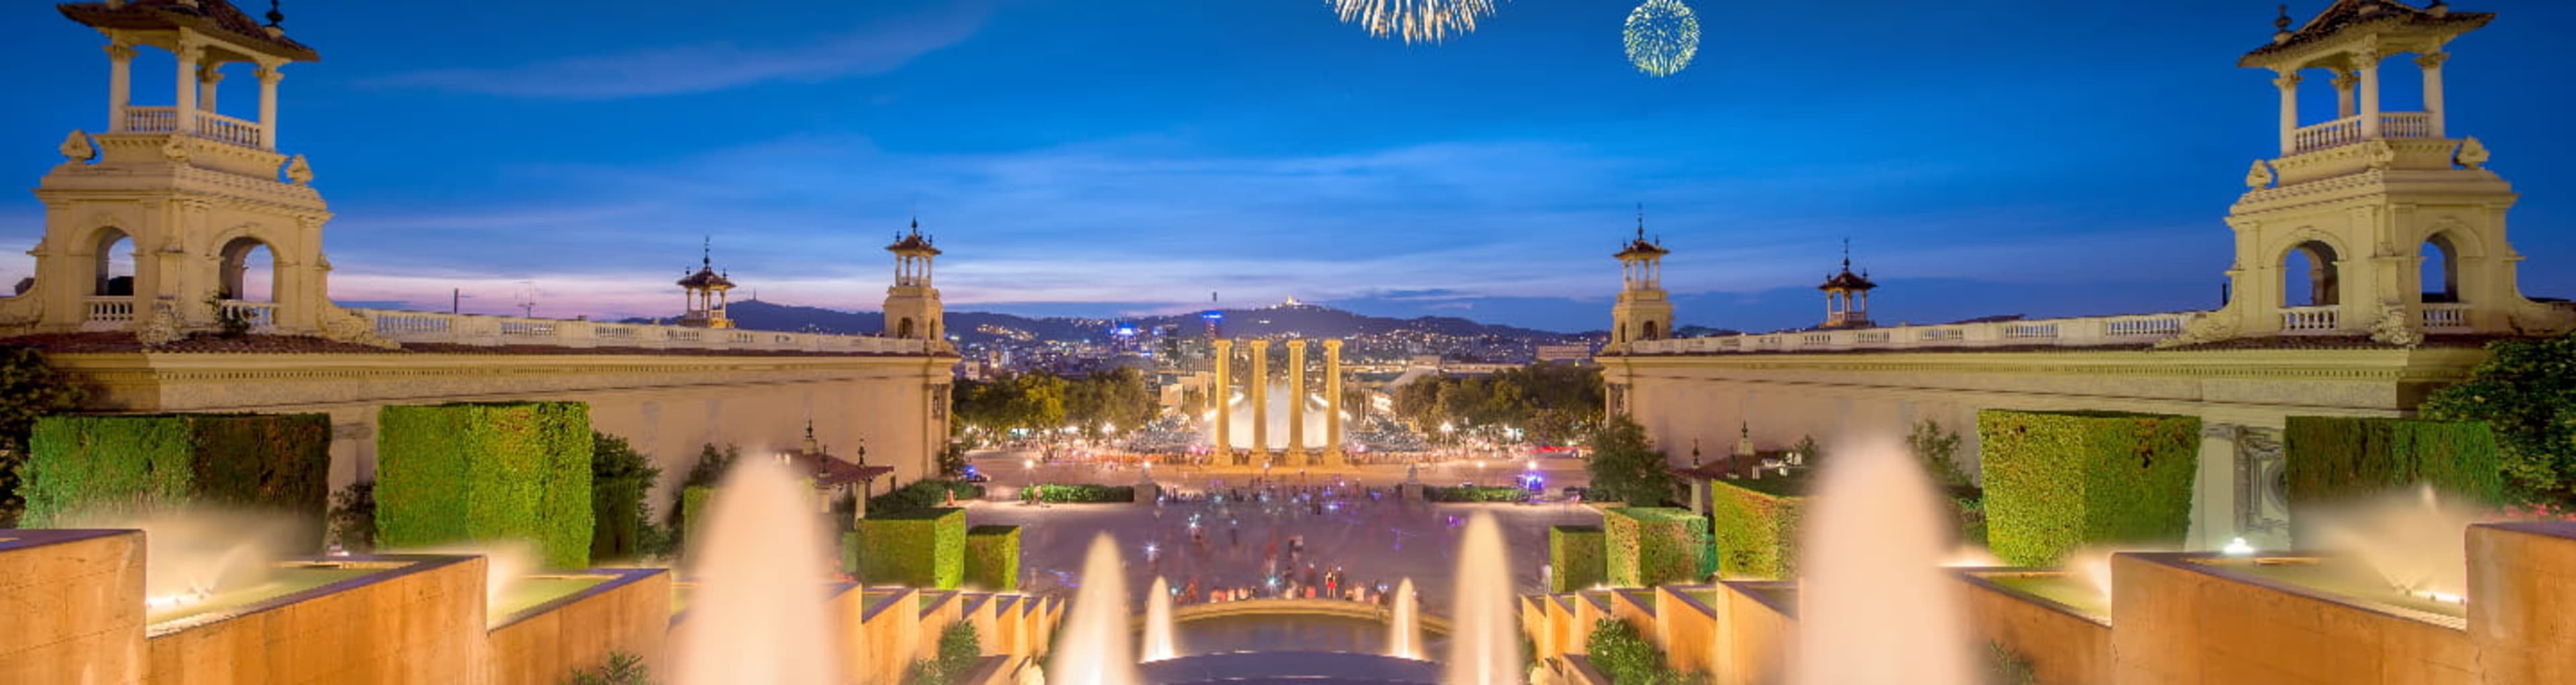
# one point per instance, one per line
(249, 271)
(2308, 267)
(115, 269)
(1650, 332)
(2441, 270)
(903, 328)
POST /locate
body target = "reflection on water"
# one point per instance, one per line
(1299, 632)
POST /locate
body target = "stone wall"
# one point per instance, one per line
(2522, 611)
(60, 591)
(2062, 647)
(629, 613)
(419, 622)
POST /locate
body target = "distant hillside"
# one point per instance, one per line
(974, 327)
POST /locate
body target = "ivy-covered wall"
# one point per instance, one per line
(993, 558)
(1649, 546)
(2056, 481)
(1756, 531)
(923, 549)
(2332, 458)
(1575, 558)
(277, 462)
(455, 473)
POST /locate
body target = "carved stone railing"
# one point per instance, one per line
(2076, 332)
(493, 331)
(2446, 317)
(2318, 319)
(261, 315)
(2347, 130)
(2405, 125)
(109, 314)
(210, 125)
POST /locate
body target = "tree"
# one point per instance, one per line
(30, 388)
(1939, 450)
(620, 477)
(1625, 468)
(2526, 392)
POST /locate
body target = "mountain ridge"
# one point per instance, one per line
(975, 327)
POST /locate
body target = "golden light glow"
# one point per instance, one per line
(1414, 20)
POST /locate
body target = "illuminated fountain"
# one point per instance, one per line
(1872, 583)
(1484, 643)
(1403, 636)
(1095, 649)
(1158, 622)
(193, 555)
(757, 614)
(1239, 431)
(2416, 542)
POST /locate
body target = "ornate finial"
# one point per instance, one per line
(2438, 8)
(275, 17)
(1694, 451)
(707, 251)
(1846, 254)
(2260, 176)
(2281, 26)
(298, 171)
(1747, 430)
(863, 450)
(2472, 155)
(1641, 222)
(76, 147)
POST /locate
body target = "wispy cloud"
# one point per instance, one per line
(867, 51)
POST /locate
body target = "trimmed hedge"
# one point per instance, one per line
(80, 464)
(1116, 494)
(1475, 493)
(1575, 557)
(922, 495)
(2056, 481)
(465, 472)
(1756, 531)
(922, 549)
(2333, 458)
(1650, 546)
(993, 558)
(617, 518)
(693, 503)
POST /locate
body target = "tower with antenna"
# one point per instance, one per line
(912, 307)
(704, 292)
(1847, 295)
(1643, 312)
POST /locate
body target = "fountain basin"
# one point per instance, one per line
(1321, 625)
(1289, 668)
(381, 618)
(2057, 620)
(547, 625)
(2199, 617)
(87, 588)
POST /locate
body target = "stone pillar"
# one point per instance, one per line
(186, 107)
(2289, 85)
(1218, 395)
(1259, 396)
(207, 76)
(2431, 63)
(2343, 82)
(2369, 94)
(1333, 409)
(120, 83)
(1297, 402)
(268, 78)
(2213, 488)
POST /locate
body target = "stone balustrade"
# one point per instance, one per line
(2348, 130)
(2076, 332)
(2446, 317)
(209, 125)
(261, 315)
(2316, 319)
(493, 331)
(109, 314)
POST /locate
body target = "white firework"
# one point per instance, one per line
(1414, 20)
(1662, 36)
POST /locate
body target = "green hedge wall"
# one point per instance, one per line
(693, 503)
(104, 463)
(1756, 531)
(464, 472)
(1474, 494)
(617, 518)
(2332, 458)
(923, 549)
(1575, 558)
(1650, 546)
(2055, 481)
(921, 495)
(993, 558)
(1118, 494)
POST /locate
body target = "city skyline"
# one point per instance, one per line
(2078, 163)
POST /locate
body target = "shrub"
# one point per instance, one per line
(2056, 481)
(2007, 667)
(29, 389)
(1628, 658)
(2525, 391)
(921, 495)
(1120, 494)
(466, 472)
(2328, 459)
(101, 463)
(622, 669)
(710, 467)
(923, 549)
(993, 558)
(1756, 531)
(1625, 468)
(1939, 450)
(693, 504)
(1575, 557)
(1474, 493)
(1649, 546)
(619, 478)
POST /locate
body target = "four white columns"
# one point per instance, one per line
(196, 90)
(2357, 95)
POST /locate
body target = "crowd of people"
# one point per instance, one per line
(1240, 541)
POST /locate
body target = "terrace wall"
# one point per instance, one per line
(421, 624)
(74, 606)
(2176, 621)
(629, 614)
(2062, 646)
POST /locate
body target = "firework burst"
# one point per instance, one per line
(1414, 21)
(1662, 36)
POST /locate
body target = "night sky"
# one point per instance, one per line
(1098, 158)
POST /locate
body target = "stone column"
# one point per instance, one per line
(2343, 82)
(1259, 396)
(120, 83)
(2214, 488)
(2369, 94)
(1333, 403)
(268, 78)
(1218, 395)
(2289, 85)
(186, 108)
(2431, 63)
(207, 76)
(1297, 402)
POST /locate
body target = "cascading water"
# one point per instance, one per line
(1484, 641)
(1239, 428)
(1095, 649)
(2416, 541)
(757, 614)
(1403, 636)
(1158, 622)
(1874, 606)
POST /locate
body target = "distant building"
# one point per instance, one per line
(1574, 354)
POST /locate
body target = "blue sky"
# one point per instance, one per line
(1985, 157)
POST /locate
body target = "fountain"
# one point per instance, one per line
(2415, 541)
(757, 614)
(1094, 650)
(1875, 608)
(1158, 622)
(1484, 645)
(1239, 427)
(1403, 637)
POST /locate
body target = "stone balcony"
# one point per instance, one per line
(2097, 331)
(499, 331)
